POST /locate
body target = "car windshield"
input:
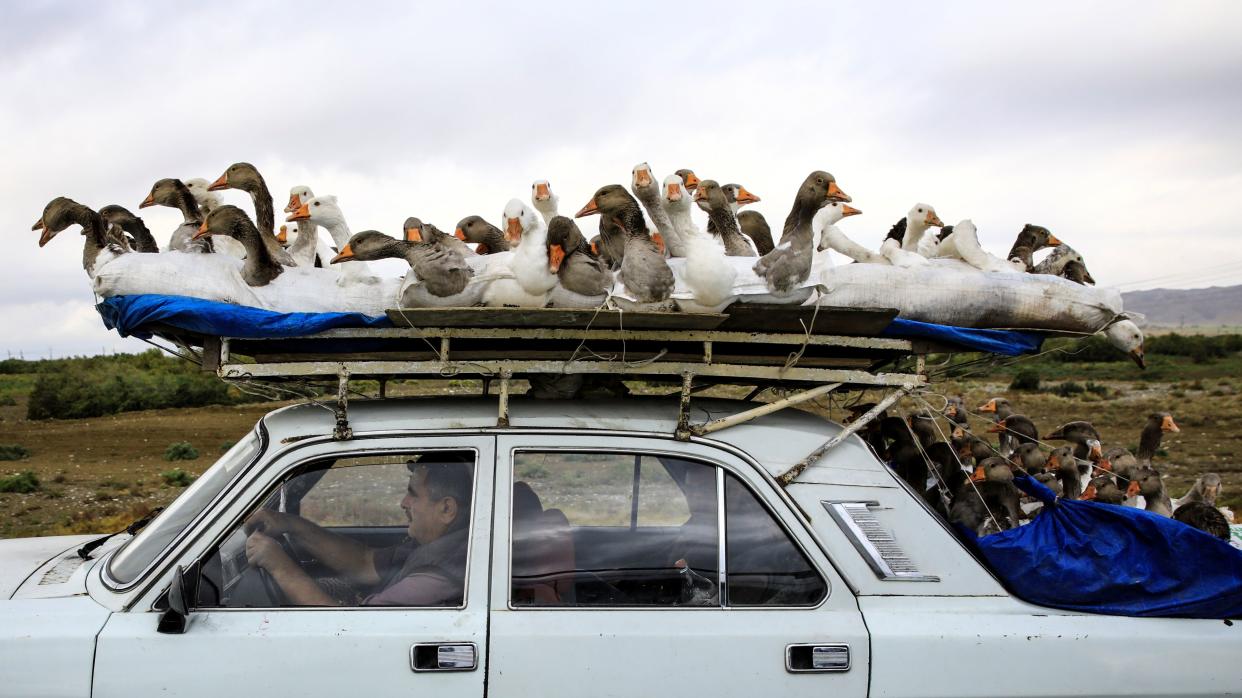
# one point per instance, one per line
(134, 557)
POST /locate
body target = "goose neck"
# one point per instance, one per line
(264, 209)
(188, 205)
(915, 228)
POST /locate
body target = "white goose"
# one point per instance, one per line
(324, 211)
(963, 244)
(530, 279)
(705, 270)
(830, 236)
(544, 201)
(648, 193)
(208, 201)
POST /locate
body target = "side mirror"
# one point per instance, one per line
(180, 597)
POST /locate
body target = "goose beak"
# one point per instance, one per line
(835, 193)
(302, 214)
(934, 220)
(1054, 463)
(294, 203)
(595, 248)
(642, 177)
(38, 225)
(556, 255)
(658, 239)
(590, 209)
(222, 183)
(1105, 465)
(978, 475)
(744, 197)
(996, 428)
(989, 406)
(1137, 356)
(513, 229)
(1053, 241)
(283, 236)
(1168, 425)
(346, 254)
(692, 182)
(673, 192)
(848, 210)
(1096, 452)
(542, 192)
(959, 433)
(1089, 493)
(202, 231)
(1133, 489)
(47, 233)
(413, 235)
(459, 234)
(698, 194)
(149, 201)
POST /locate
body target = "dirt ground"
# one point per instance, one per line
(98, 474)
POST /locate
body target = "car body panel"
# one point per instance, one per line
(23, 557)
(47, 646)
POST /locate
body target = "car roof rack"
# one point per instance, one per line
(810, 350)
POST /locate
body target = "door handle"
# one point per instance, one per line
(801, 659)
(444, 656)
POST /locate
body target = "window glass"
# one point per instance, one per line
(387, 530)
(614, 529)
(764, 567)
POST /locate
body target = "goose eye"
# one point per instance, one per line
(316, 203)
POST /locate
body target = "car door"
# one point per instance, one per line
(631, 566)
(235, 645)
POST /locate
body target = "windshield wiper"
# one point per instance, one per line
(85, 551)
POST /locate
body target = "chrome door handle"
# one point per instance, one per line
(444, 656)
(801, 659)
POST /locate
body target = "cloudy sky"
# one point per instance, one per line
(1116, 124)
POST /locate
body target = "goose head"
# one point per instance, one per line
(321, 210)
(297, 196)
(1126, 336)
(519, 220)
(1036, 237)
(563, 238)
(207, 201)
(167, 192)
(831, 213)
(737, 195)
(542, 198)
(608, 200)
(820, 185)
(229, 221)
(993, 468)
(60, 213)
(474, 229)
(118, 215)
(239, 175)
(688, 178)
(369, 245)
(676, 195)
(282, 235)
(710, 196)
(923, 216)
(412, 229)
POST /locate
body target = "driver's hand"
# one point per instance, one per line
(263, 551)
(271, 523)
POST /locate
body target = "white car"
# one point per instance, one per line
(588, 553)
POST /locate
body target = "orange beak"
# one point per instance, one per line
(202, 231)
(283, 236)
(302, 214)
(346, 254)
(482, 248)
(934, 220)
(222, 183)
(413, 235)
(1105, 465)
(1168, 425)
(590, 209)
(692, 182)
(744, 197)
(996, 428)
(149, 201)
(1054, 463)
(460, 234)
(294, 203)
(847, 211)
(542, 192)
(642, 177)
(658, 239)
(989, 406)
(1089, 493)
(959, 433)
(1133, 489)
(835, 193)
(556, 255)
(674, 192)
(1053, 241)
(47, 234)
(1096, 453)
(978, 475)
(699, 195)
(513, 229)
(595, 248)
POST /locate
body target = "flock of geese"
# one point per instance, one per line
(649, 253)
(969, 479)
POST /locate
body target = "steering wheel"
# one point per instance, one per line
(275, 594)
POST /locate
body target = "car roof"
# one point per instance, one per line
(777, 440)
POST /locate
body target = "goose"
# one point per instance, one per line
(1030, 458)
(917, 221)
(1205, 489)
(1066, 263)
(1031, 239)
(755, 227)
(544, 201)
(998, 408)
(260, 268)
(688, 179)
(788, 265)
(1019, 428)
(1126, 336)
(62, 212)
(173, 193)
(647, 192)
(119, 216)
(584, 280)
(737, 197)
(1204, 517)
(305, 248)
(706, 272)
(893, 250)
(438, 277)
(1104, 489)
(831, 238)
(644, 274)
(414, 230)
(1083, 435)
(963, 244)
(299, 195)
(904, 453)
(246, 177)
(529, 280)
(324, 211)
(1062, 463)
(993, 469)
(208, 201)
(711, 198)
(1157, 425)
(988, 502)
(486, 237)
(1149, 483)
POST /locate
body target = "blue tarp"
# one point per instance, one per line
(1101, 558)
(133, 315)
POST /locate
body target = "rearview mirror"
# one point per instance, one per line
(180, 597)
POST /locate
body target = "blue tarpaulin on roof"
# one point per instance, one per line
(134, 315)
(1101, 558)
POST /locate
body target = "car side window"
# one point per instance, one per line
(613, 529)
(763, 566)
(388, 530)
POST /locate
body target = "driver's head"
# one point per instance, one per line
(437, 499)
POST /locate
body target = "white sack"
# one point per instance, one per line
(949, 292)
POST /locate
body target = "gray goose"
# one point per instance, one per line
(584, 280)
(140, 237)
(62, 212)
(246, 177)
(999, 408)
(720, 219)
(173, 193)
(1158, 424)
(1031, 239)
(1149, 482)
(259, 269)
(648, 193)
(1206, 489)
(1204, 517)
(789, 264)
(755, 227)
(643, 270)
(737, 197)
(441, 276)
(487, 238)
(416, 231)
(688, 179)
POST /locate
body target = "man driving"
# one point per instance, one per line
(426, 569)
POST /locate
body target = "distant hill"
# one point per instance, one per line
(1171, 307)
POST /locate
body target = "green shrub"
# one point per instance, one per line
(1069, 389)
(177, 477)
(1025, 380)
(13, 452)
(180, 450)
(1097, 389)
(7, 401)
(22, 483)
